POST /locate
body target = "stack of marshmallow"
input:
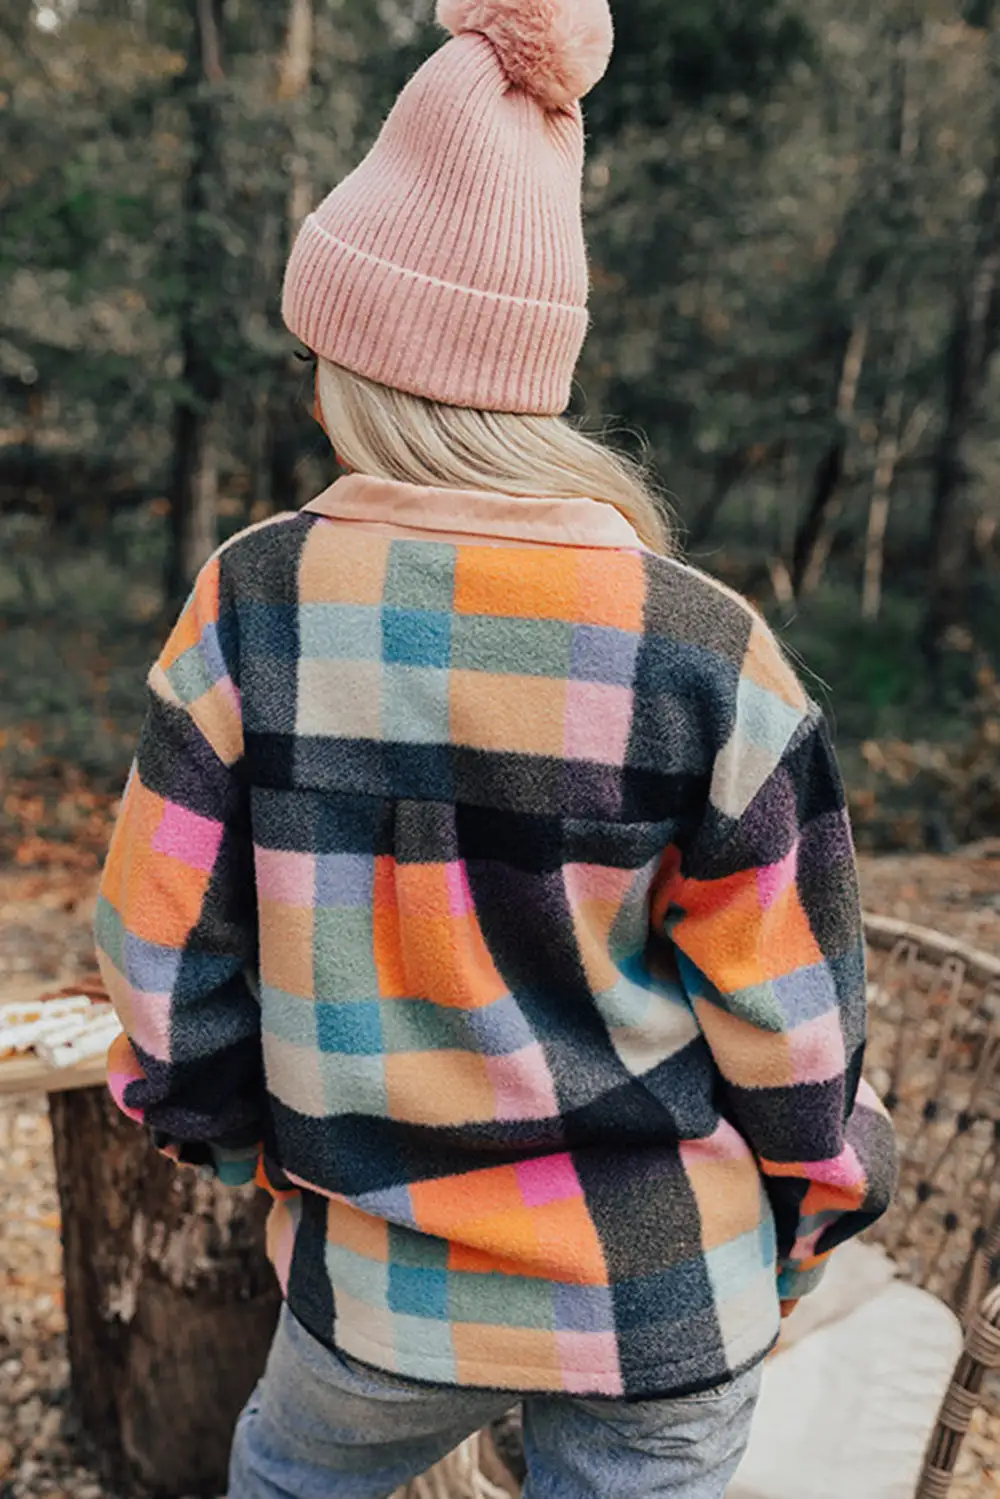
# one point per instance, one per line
(62, 1031)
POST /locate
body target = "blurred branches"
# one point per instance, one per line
(794, 215)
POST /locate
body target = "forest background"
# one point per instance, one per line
(794, 216)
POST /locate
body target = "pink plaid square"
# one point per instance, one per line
(590, 1361)
(774, 879)
(186, 836)
(460, 902)
(817, 1050)
(523, 1085)
(598, 722)
(550, 1179)
(289, 879)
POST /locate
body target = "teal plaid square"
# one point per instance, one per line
(420, 575)
(418, 1251)
(415, 705)
(416, 637)
(365, 1279)
(343, 956)
(419, 1025)
(423, 1344)
(190, 676)
(109, 930)
(502, 1300)
(353, 1085)
(532, 647)
(421, 1293)
(349, 1030)
(340, 632)
(287, 1017)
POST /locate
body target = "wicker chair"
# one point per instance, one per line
(935, 1058)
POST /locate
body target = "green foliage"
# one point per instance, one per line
(786, 209)
(862, 672)
(78, 628)
(692, 53)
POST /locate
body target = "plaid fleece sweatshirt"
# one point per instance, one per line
(484, 882)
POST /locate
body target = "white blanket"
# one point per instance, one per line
(847, 1411)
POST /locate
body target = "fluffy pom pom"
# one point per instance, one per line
(555, 50)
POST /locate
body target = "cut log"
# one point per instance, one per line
(170, 1301)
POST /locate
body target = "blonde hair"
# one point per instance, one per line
(388, 434)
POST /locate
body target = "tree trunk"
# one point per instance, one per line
(170, 1301)
(194, 493)
(290, 478)
(812, 538)
(878, 523)
(193, 479)
(731, 470)
(886, 459)
(295, 67)
(890, 201)
(261, 436)
(950, 535)
(294, 73)
(974, 339)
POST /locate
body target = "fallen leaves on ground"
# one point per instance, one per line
(56, 821)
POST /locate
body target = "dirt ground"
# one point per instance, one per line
(45, 941)
(959, 894)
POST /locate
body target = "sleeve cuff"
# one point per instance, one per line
(234, 1168)
(794, 1283)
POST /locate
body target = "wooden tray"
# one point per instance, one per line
(29, 1075)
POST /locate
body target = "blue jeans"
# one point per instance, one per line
(320, 1426)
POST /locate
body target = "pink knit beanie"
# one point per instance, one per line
(451, 264)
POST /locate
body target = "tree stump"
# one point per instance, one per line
(170, 1301)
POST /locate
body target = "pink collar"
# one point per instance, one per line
(549, 522)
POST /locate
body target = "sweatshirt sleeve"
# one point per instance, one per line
(176, 918)
(764, 910)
